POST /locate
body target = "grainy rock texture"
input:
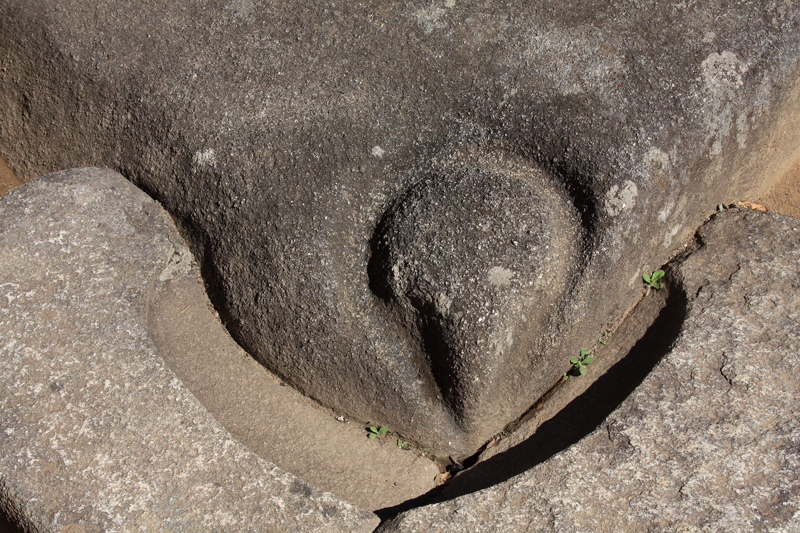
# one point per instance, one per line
(97, 433)
(273, 420)
(280, 134)
(460, 260)
(711, 439)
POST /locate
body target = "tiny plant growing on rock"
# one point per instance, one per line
(401, 443)
(604, 337)
(579, 362)
(375, 432)
(652, 279)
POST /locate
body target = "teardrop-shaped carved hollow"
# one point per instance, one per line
(473, 261)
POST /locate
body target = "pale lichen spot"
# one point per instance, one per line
(741, 130)
(204, 158)
(720, 70)
(621, 199)
(671, 235)
(377, 151)
(502, 340)
(722, 77)
(499, 276)
(241, 8)
(431, 18)
(443, 303)
(659, 159)
(664, 213)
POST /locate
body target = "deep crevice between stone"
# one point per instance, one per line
(579, 418)
(583, 200)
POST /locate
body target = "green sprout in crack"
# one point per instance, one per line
(579, 362)
(652, 279)
(401, 443)
(604, 337)
(375, 432)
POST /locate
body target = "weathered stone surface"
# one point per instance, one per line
(8, 181)
(280, 134)
(461, 259)
(97, 433)
(710, 441)
(273, 420)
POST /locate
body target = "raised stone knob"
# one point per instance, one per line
(474, 260)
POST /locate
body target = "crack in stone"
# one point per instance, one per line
(725, 360)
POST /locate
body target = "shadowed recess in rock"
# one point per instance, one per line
(580, 417)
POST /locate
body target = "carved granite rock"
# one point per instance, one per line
(304, 147)
(710, 441)
(472, 263)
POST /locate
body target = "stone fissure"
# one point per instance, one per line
(726, 375)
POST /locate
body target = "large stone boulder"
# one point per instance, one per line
(708, 441)
(414, 213)
(98, 434)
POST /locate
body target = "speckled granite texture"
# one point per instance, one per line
(96, 433)
(406, 208)
(711, 439)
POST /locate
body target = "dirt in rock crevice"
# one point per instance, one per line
(784, 196)
(8, 180)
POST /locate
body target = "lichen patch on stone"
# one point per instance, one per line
(430, 18)
(500, 277)
(204, 158)
(618, 200)
(722, 77)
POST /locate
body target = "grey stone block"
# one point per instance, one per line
(279, 135)
(97, 432)
(710, 441)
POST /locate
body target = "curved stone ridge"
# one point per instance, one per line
(97, 433)
(709, 440)
(474, 260)
(279, 132)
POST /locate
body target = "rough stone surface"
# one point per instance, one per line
(97, 433)
(710, 441)
(8, 181)
(280, 134)
(271, 419)
(460, 259)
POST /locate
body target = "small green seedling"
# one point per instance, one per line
(604, 337)
(401, 443)
(374, 432)
(579, 363)
(652, 279)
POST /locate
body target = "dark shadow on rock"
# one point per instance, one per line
(584, 201)
(8, 524)
(579, 418)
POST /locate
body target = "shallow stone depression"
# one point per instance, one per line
(334, 453)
